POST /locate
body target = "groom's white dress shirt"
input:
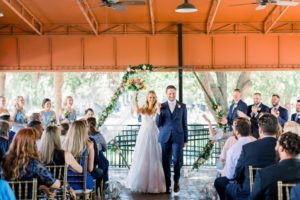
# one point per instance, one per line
(172, 105)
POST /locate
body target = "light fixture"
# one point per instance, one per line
(186, 7)
(1, 14)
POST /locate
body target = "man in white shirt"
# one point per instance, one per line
(242, 129)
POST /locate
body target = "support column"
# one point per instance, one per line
(180, 62)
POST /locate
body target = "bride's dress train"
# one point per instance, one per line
(146, 173)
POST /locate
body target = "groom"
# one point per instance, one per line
(171, 120)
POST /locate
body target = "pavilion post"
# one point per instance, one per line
(180, 68)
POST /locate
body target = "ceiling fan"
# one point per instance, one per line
(118, 5)
(262, 4)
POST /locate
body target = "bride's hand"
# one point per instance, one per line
(158, 107)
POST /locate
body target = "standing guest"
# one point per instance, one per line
(260, 153)
(278, 111)
(64, 127)
(296, 116)
(79, 145)
(237, 105)
(68, 114)
(19, 117)
(51, 152)
(89, 113)
(48, 116)
(3, 108)
(242, 130)
(22, 161)
(37, 125)
(255, 111)
(287, 170)
(4, 138)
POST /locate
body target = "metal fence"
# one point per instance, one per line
(197, 139)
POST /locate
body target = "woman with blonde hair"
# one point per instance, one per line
(291, 126)
(19, 117)
(51, 152)
(146, 173)
(78, 144)
(68, 114)
(22, 161)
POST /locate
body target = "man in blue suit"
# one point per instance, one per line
(296, 116)
(278, 111)
(260, 153)
(255, 111)
(171, 120)
(237, 105)
(287, 170)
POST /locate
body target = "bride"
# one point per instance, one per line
(146, 174)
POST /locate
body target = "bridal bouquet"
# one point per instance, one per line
(135, 84)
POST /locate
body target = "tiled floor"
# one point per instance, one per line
(197, 185)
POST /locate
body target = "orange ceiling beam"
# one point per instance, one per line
(21, 11)
(274, 17)
(212, 15)
(152, 19)
(88, 14)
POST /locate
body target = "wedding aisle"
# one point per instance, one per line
(195, 186)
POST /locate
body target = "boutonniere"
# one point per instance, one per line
(178, 106)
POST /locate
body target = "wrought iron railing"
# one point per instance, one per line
(198, 137)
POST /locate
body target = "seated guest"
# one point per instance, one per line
(296, 116)
(89, 113)
(4, 138)
(254, 112)
(291, 126)
(48, 116)
(22, 161)
(287, 170)
(51, 152)
(3, 108)
(6, 192)
(295, 192)
(260, 153)
(101, 145)
(64, 128)
(79, 145)
(96, 135)
(38, 126)
(278, 111)
(6, 117)
(242, 129)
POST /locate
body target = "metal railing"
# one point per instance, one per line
(197, 139)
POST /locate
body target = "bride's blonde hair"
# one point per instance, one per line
(146, 109)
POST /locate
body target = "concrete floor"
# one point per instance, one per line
(195, 185)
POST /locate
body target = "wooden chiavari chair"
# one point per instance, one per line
(60, 172)
(283, 190)
(24, 190)
(252, 172)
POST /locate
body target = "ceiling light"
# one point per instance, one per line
(1, 14)
(186, 7)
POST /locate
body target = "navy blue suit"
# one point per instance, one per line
(260, 153)
(283, 115)
(254, 118)
(232, 113)
(265, 182)
(293, 118)
(173, 134)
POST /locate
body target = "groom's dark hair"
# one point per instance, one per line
(171, 87)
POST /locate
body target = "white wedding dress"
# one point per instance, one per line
(146, 173)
